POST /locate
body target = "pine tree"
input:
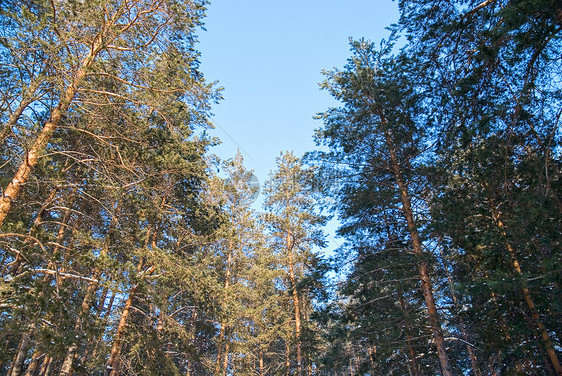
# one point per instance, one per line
(377, 143)
(294, 223)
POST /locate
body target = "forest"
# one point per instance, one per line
(128, 248)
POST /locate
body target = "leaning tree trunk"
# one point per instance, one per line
(19, 359)
(31, 157)
(116, 347)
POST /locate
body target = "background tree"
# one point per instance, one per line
(295, 228)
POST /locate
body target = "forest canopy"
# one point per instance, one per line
(128, 248)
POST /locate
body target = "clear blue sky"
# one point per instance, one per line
(268, 56)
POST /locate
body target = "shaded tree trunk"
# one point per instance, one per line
(296, 304)
(466, 337)
(35, 363)
(412, 364)
(19, 358)
(547, 341)
(426, 285)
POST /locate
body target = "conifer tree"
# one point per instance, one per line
(377, 140)
(292, 218)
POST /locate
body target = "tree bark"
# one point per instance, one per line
(426, 285)
(35, 363)
(19, 359)
(31, 157)
(116, 347)
(46, 366)
(66, 368)
(225, 359)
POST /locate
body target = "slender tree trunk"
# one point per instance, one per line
(46, 366)
(296, 304)
(225, 359)
(218, 362)
(426, 285)
(223, 325)
(547, 342)
(112, 361)
(372, 352)
(412, 364)
(66, 368)
(261, 363)
(466, 337)
(33, 367)
(31, 157)
(19, 359)
(110, 368)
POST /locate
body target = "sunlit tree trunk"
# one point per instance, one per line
(19, 359)
(31, 157)
(46, 366)
(110, 367)
(35, 363)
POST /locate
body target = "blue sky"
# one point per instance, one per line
(268, 56)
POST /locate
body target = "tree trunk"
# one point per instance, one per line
(296, 304)
(112, 361)
(35, 363)
(19, 359)
(412, 364)
(372, 352)
(261, 363)
(225, 359)
(223, 324)
(31, 157)
(66, 368)
(466, 337)
(46, 366)
(547, 342)
(426, 285)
